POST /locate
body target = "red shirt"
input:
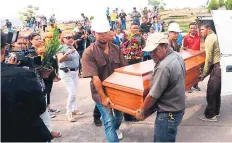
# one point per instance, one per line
(192, 42)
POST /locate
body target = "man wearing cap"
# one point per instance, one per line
(167, 89)
(174, 30)
(98, 62)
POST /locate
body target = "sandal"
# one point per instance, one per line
(56, 134)
(77, 112)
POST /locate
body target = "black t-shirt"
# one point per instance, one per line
(80, 43)
(145, 27)
(8, 24)
(122, 16)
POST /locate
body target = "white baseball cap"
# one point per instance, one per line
(174, 27)
(153, 40)
(100, 24)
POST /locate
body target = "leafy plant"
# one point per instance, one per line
(52, 47)
(228, 4)
(213, 5)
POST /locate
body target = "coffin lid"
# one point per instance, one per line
(135, 78)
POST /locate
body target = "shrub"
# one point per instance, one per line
(228, 4)
(213, 5)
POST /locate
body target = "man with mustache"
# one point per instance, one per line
(98, 62)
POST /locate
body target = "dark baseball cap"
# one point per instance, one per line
(3, 39)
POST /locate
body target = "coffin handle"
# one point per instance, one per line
(123, 109)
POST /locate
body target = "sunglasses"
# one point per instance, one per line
(68, 37)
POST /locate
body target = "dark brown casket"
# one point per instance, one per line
(128, 86)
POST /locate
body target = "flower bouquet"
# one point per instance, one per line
(52, 47)
(132, 49)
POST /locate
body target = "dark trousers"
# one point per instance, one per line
(96, 113)
(166, 126)
(48, 88)
(44, 27)
(213, 92)
(80, 66)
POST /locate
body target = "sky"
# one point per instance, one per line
(71, 9)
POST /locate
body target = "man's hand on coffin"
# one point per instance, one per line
(107, 102)
(139, 114)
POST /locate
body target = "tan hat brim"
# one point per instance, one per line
(150, 48)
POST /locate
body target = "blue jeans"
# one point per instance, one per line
(111, 122)
(137, 21)
(123, 24)
(166, 127)
(112, 24)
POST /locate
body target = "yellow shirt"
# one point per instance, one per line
(113, 16)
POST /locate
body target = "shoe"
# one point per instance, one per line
(54, 110)
(97, 122)
(119, 133)
(218, 115)
(70, 118)
(190, 90)
(197, 88)
(56, 134)
(52, 116)
(77, 112)
(213, 119)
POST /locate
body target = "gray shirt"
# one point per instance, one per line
(167, 83)
(72, 60)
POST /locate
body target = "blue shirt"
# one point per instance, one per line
(107, 12)
(116, 41)
(179, 40)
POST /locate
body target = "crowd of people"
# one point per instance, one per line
(94, 48)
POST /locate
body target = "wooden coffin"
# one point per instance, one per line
(128, 86)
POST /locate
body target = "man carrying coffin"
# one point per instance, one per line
(98, 62)
(167, 88)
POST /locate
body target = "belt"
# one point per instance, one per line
(73, 69)
(69, 69)
(173, 112)
(217, 64)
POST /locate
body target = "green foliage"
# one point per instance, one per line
(213, 5)
(221, 3)
(157, 4)
(228, 4)
(52, 48)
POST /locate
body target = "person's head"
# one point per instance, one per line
(66, 38)
(108, 8)
(145, 8)
(206, 28)
(159, 17)
(82, 14)
(145, 35)
(113, 11)
(21, 43)
(122, 11)
(155, 20)
(35, 40)
(152, 30)
(141, 32)
(134, 28)
(7, 20)
(116, 9)
(157, 45)
(193, 28)
(111, 35)
(144, 19)
(101, 29)
(118, 30)
(174, 30)
(3, 45)
(134, 9)
(79, 26)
